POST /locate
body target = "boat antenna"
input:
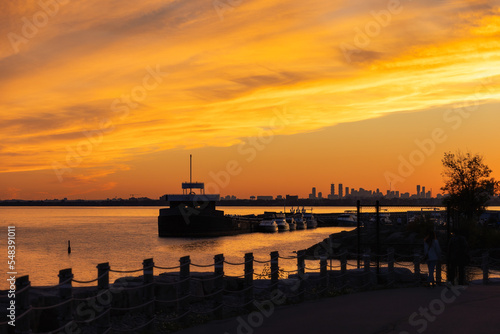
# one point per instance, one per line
(190, 173)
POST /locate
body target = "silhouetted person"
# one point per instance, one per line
(432, 253)
(458, 257)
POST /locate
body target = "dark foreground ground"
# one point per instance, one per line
(470, 309)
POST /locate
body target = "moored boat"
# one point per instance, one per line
(268, 224)
(384, 217)
(310, 220)
(281, 222)
(300, 222)
(291, 223)
(348, 218)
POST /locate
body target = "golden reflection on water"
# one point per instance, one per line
(124, 237)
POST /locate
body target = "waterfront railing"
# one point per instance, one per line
(179, 296)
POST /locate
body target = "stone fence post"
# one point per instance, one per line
(367, 271)
(249, 280)
(301, 272)
(323, 272)
(390, 267)
(184, 286)
(416, 266)
(274, 269)
(343, 269)
(149, 289)
(65, 294)
(22, 305)
(103, 288)
(486, 267)
(219, 284)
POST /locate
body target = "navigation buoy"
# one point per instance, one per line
(69, 247)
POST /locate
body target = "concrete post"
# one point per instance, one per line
(416, 266)
(148, 278)
(367, 271)
(301, 266)
(439, 275)
(103, 288)
(219, 283)
(65, 293)
(274, 269)
(103, 276)
(184, 286)
(390, 267)
(249, 280)
(343, 268)
(323, 272)
(486, 268)
(21, 306)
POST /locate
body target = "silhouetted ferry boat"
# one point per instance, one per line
(195, 215)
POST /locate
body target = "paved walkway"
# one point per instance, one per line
(472, 309)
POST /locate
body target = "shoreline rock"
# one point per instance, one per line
(404, 242)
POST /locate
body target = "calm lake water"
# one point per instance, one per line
(125, 236)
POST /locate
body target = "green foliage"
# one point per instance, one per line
(468, 184)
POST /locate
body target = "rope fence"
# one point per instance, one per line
(212, 294)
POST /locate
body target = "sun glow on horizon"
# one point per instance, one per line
(106, 87)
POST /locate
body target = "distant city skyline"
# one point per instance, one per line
(270, 96)
(342, 192)
(353, 193)
(350, 193)
(336, 191)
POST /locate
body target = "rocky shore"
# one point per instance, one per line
(404, 242)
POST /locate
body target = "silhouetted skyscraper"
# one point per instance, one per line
(341, 190)
(347, 191)
(332, 189)
(423, 192)
(418, 190)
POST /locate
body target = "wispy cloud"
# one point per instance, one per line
(225, 77)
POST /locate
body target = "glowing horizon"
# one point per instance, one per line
(105, 98)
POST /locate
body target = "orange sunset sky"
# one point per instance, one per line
(108, 98)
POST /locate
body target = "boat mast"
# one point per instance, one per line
(190, 172)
